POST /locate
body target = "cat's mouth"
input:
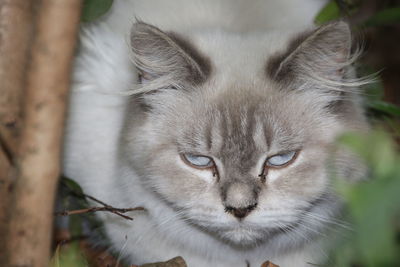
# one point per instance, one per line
(245, 236)
(242, 234)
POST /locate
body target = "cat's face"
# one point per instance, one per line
(245, 161)
(207, 155)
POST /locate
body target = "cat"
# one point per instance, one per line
(220, 119)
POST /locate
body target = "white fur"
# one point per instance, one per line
(103, 70)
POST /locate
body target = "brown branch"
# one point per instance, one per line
(94, 209)
(16, 31)
(38, 157)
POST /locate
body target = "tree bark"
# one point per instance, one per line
(38, 155)
(16, 31)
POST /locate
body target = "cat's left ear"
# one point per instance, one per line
(166, 58)
(321, 55)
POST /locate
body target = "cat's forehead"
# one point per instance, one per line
(238, 124)
(241, 55)
(239, 110)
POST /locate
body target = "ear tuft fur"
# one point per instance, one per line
(166, 59)
(322, 57)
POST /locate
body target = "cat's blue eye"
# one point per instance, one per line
(280, 160)
(197, 161)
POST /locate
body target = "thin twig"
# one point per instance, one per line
(96, 200)
(105, 208)
(72, 239)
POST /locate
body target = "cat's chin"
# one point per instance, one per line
(243, 237)
(239, 235)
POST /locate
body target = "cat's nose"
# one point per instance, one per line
(239, 198)
(240, 213)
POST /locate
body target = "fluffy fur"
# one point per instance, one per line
(233, 80)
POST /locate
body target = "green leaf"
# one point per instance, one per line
(385, 107)
(329, 12)
(69, 255)
(93, 9)
(71, 185)
(71, 194)
(385, 17)
(55, 260)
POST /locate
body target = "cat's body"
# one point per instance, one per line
(231, 84)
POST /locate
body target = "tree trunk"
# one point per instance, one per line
(39, 144)
(16, 31)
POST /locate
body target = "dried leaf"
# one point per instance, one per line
(98, 257)
(175, 262)
(269, 264)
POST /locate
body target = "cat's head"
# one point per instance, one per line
(243, 154)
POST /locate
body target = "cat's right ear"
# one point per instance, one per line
(321, 55)
(166, 60)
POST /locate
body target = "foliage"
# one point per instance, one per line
(71, 197)
(384, 107)
(385, 17)
(93, 9)
(335, 9)
(329, 12)
(68, 255)
(374, 94)
(373, 206)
